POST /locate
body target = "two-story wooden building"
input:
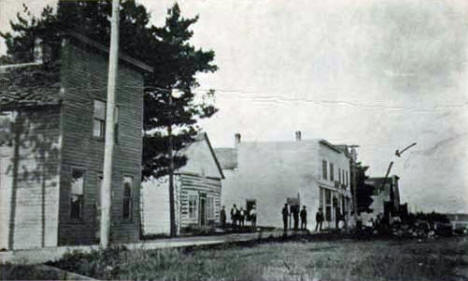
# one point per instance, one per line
(52, 123)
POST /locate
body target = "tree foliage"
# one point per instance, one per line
(166, 48)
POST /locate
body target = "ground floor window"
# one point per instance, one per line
(210, 212)
(76, 194)
(193, 206)
(127, 198)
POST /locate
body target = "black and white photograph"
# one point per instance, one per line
(270, 140)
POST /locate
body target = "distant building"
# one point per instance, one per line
(385, 198)
(313, 173)
(197, 192)
(458, 220)
(52, 147)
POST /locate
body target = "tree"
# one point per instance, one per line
(175, 61)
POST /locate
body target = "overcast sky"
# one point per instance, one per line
(381, 74)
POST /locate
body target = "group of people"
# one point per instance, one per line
(239, 216)
(294, 211)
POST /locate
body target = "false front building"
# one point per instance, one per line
(311, 173)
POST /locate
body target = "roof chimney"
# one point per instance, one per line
(237, 139)
(298, 135)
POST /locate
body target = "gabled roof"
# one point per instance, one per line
(98, 46)
(227, 157)
(204, 137)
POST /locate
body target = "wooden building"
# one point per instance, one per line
(197, 192)
(312, 173)
(52, 125)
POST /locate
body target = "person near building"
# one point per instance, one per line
(303, 215)
(285, 214)
(222, 217)
(253, 217)
(319, 220)
(234, 216)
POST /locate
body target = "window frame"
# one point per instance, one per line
(324, 169)
(102, 122)
(80, 218)
(196, 196)
(130, 198)
(210, 210)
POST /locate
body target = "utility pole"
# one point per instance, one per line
(354, 171)
(171, 173)
(106, 196)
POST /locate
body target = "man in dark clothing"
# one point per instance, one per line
(295, 213)
(303, 215)
(319, 220)
(222, 217)
(285, 214)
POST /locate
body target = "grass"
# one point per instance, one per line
(292, 260)
(25, 272)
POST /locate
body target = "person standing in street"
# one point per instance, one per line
(319, 220)
(234, 216)
(222, 217)
(303, 215)
(295, 213)
(241, 217)
(285, 214)
(253, 217)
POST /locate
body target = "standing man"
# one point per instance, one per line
(285, 214)
(222, 216)
(253, 217)
(303, 215)
(319, 220)
(241, 217)
(234, 216)
(295, 213)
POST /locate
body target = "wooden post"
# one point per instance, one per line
(109, 136)
(171, 176)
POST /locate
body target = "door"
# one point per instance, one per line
(202, 209)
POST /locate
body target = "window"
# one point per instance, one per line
(324, 169)
(328, 205)
(76, 192)
(343, 176)
(332, 174)
(339, 175)
(210, 213)
(193, 206)
(99, 122)
(347, 182)
(127, 198)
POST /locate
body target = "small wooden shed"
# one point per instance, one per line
(198, 192)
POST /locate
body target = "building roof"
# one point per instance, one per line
(200, 138)
(29, 84)
(25, 85)
(227, 157)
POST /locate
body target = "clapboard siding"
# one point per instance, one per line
(31, 198)
(84, 79)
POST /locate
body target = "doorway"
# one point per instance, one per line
(202, 209)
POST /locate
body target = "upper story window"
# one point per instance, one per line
(339, 175)
(99, 121)
(343, 176)
(324, 169)
(127, 209)
(76, 194)
(332, 174)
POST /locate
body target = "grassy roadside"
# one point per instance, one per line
(293, 260)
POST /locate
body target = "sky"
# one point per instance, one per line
(380, 74)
